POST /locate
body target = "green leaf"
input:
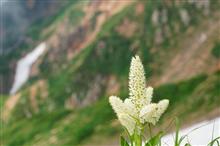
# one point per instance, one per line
(124, 142)
(215, 141)
(181, 140)
(155, 141)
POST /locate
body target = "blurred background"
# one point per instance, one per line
(60, 60)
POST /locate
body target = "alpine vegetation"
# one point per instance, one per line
(137, 111)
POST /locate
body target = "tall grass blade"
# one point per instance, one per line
(216, 140)
(124, 142)
(177, 131)
(155, 141)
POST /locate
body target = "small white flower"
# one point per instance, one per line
(118, 106)
(163, 104)
(148, 94)
(125, 111)
(152, 112)
(148, 113)
(128, 122)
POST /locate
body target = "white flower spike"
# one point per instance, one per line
(136, 79)
(137, 110)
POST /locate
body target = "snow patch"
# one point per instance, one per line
(24, 66)
(198, 135)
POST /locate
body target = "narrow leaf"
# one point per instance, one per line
(154, 141)
(124, 142)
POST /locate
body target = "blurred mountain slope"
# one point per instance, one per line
(88, 60)
(22, 22)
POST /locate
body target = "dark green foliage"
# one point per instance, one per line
(113, 58)
(176, 92)
(216, 50)
(75, 16)
(67, 78)
(87, 120)
(24, 130)
(2, 100)
(4, 67)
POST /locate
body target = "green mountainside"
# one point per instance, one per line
(66, 103)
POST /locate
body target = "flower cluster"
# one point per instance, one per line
(137, 110)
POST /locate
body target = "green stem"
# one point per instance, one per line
(137, 140)
(130, 137)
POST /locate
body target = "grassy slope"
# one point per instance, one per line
(59, 127)
(70, 128)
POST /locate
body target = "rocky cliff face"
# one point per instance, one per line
(151, 27)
